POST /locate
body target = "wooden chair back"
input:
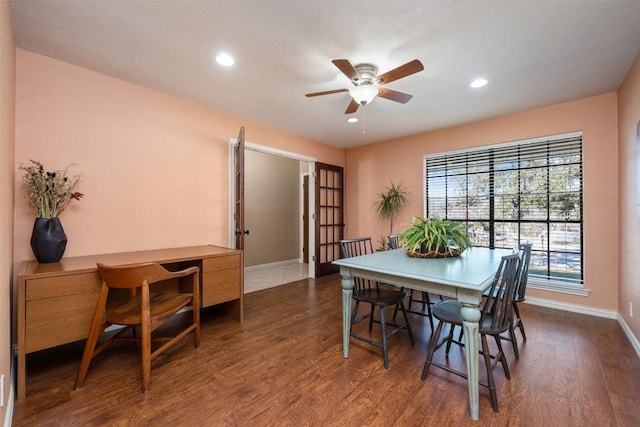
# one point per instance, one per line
(394, 241)
(133, 276)
(523, 271)
(356, 247)
(496, 311)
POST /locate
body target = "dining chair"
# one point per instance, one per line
(134, 305)
(521, 288)
(394, 243)
(495, 315)
(368, 292)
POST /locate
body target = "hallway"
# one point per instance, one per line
(266, 276)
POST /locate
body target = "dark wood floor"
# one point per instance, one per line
(284, 367)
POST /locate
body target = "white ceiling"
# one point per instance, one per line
(533, 53)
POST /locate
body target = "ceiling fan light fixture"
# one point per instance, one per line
(363, 94)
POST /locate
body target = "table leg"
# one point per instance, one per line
(347, 291)
(471, 316)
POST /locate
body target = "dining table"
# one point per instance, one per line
(464, 277)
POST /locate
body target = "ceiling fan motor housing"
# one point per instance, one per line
(367, 72)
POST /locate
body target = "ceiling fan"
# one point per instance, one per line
(367, 84)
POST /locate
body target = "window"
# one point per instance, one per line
(516, 192)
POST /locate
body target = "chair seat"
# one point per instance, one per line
(163, 305)
(449, 312)
(381, 297)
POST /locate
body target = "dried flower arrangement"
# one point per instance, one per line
(49, 192)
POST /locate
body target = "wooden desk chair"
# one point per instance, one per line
(365, 291)
(142, 308)
(495, 318)
(394, 243)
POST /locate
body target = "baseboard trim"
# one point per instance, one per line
(632, 339)
(273, 264)
(8, 415)
(574, 308)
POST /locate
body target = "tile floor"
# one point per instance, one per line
(269, 275)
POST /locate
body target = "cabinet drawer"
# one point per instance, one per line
(60, 320)
(221, 263)
(220, 286)
(62, 285)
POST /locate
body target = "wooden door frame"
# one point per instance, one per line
(238, 194)
(302, 188)
(312, 196)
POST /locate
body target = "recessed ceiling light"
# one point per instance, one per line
(352, 120)
(478, 83)
(225, 59)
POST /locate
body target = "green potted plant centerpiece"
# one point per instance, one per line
(49, 193)
(435, 238)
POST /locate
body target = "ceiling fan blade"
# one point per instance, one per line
(405, 70)
(353, 107)
(347, 69)
(394, 95)
(327, 92)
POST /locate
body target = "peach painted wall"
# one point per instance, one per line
(7, 144)
(370, 168)
(629, 142)
(155, 167)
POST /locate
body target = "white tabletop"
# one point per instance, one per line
(473, 269)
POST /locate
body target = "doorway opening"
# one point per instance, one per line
(278, 189)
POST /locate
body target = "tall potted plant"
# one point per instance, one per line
(49, 193)
(388, 203)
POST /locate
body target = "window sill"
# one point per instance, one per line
(556, 286)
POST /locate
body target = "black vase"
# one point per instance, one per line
(48, 240)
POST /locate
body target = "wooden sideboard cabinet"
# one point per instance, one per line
(56, 301)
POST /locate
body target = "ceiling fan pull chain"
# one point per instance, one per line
(364, 120)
